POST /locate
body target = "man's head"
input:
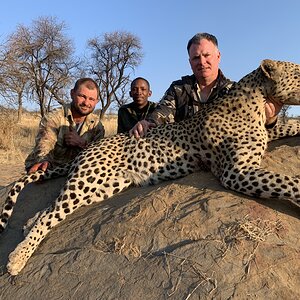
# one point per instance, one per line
(140, 91)
(204, 57)
(85, 96)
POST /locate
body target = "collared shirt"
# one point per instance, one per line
(50, 144)
(130, 114)
(198, 91)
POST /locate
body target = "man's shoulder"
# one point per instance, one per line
(187, 79)
(93, 118)
(125, 107)
(131, 105)
(57, 112)
(94, 114)
(224, 81)
(152, 104)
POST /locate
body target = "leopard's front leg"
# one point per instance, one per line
(19, 257)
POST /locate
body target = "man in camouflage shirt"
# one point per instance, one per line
(64, 132)
(183, 99)
(186, 96)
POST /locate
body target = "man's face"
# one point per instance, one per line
(84, 100)
(140, 92)
(204, 60)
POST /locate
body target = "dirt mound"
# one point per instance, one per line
(186, 239)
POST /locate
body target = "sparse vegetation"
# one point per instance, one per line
(111, 60)
(110, 124)
(17, 139)
(38, 65)
(284, 113)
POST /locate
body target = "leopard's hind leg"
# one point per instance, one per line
(258, 182)
(283, 130)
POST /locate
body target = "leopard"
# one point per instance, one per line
(227, 137)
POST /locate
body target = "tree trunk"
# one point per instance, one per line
(20, 107)
(101, 114)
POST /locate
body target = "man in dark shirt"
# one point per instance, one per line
(186, 96)
(139, 109)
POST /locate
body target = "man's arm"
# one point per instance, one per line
(47, 136)
(166, 109)
(272, 109)
(44, 143)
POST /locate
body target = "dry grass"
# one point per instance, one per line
(110, 124)
(17, 139)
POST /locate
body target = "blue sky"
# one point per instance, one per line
(248, 31)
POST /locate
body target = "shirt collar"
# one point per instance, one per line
(90, 119)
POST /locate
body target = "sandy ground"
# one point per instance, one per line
(185, 239)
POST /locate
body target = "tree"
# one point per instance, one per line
(13, 80)
(46, 55)
(112, 59)
(284, 113)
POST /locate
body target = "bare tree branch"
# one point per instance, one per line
(284, 113)
(46, 55)
(112, 59)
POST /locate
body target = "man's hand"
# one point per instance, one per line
(272, 109)
(141, 128)
(72, 139)
(39, 166)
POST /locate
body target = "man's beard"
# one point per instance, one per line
(80, 112)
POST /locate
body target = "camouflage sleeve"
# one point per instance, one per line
(166, 108)
(47, 135)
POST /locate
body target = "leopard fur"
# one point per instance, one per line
(227, 136)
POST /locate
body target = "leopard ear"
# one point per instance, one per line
(271, 69)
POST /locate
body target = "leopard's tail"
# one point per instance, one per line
(19, 185)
